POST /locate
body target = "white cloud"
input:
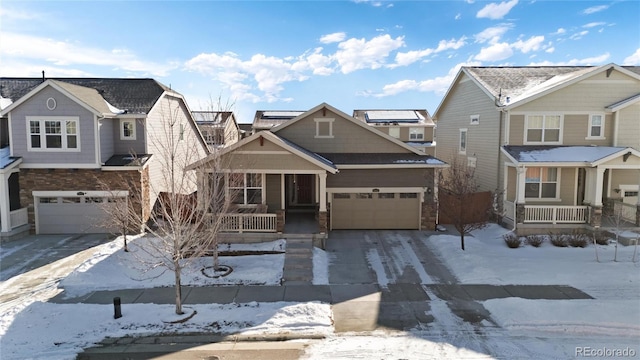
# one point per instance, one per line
(492, 34)
(17, 14)
(594, 9)
(578, 35)
(533, 44)
(496, 11)
(560, 31)
(332, 38)
(407, 58)
(594, 24)
(633, 59)
(591, 61)
(458, 16)
(355, 54)
(495, 52)
(66, 54)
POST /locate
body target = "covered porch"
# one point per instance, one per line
(14, 220)
(588, 189)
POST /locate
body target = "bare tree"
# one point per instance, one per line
(460, 202)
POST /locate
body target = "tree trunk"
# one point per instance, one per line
(462, 239)
(126, 249)
(178, 289)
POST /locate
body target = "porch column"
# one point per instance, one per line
(5, 216)
(280, 213)
(638, 205)
(596, 203)
(322, 213)
(589, 193)
(520, 201)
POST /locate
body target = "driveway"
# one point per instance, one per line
(35, 251)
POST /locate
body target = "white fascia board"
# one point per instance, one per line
(60, 166)
(413, 189)
(121, 168)
(617, 154)
(10, 168)
(393, 166)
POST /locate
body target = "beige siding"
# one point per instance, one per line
(379, 178)
(516, 129)
(590, 95)
(170, 131)
(256, 146)
(347, 137)
(623, 177)
(273, 192)
(483, 140)
(231, 133)
(278, 162)
(629, 127)
(576, 130)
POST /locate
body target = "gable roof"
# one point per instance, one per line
(579, 155)
(136, 96)
(213, 118)
(350, 119)
(394, 116)
(267, 119)
(512, 86)
(389, 159)
(275, 139)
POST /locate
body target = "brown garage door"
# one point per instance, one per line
(375, 211)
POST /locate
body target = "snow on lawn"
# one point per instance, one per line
(487, 260)
(60, 331)
(111, 268)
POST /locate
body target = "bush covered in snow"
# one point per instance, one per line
(579, 239)
(535, 240)
(559, 240)
(512, 239)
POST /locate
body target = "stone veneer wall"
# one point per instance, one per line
(83, 179)
(429, 216)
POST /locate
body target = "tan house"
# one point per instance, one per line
(339, 171)
(413, 127)
(218, 128)
(67, 135)
(557, 143)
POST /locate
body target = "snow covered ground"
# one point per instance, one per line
(31, 327)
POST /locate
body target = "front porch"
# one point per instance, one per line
(14, 221)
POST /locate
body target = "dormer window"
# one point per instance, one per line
(416, 133)
(127, 129)
(324, 127)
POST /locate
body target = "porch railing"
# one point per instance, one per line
(18, 217)
(556, 214)
(626, 211)
(248, 223)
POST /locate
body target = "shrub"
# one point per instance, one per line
(559, 240)
(535, 240)
(513, 240)
(602, 237)
(579, 239)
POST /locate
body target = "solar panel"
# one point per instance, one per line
(411, 116)
(280, 114)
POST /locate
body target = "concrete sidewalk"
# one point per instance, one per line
(332, 294)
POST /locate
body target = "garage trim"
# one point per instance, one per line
(37, 194)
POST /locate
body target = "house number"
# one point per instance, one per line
(51, 103)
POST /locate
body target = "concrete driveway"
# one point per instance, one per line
(35, 251)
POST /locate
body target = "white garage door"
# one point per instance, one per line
(73, 214)
(375, 211)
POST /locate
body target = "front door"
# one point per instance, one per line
(304, 189)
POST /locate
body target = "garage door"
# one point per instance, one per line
(375, 211)
(73, 214)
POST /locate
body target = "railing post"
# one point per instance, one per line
(554, 213)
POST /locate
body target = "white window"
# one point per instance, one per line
(474, 119)
(394, 131)
(416, 133)
(324, 127)
(462, 145)
(541, 183)
(596, 127)
(543, 129)
(245, 188)
(53, 133)
(127, 129)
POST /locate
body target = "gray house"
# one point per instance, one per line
(68, 135)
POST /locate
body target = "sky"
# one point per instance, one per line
(293, 55)
(523, 329)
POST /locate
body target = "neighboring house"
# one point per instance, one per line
(245, 129)
(413, 127)
(345, 173)
(67, 135)
(218, 128)
(557, 142)
(268, 119)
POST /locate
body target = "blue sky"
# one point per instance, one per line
(293, 55)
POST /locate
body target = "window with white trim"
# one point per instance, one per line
(54, 133)
(127, 129)
(543, 129)
(324, 127)
(394, 131)
(541, 183)
(245, 188)
(596, 127)
(416, 133)
(462, 143)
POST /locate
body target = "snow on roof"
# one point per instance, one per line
(586, 154)
(5, 159)
(4, 102)
(393, 115)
